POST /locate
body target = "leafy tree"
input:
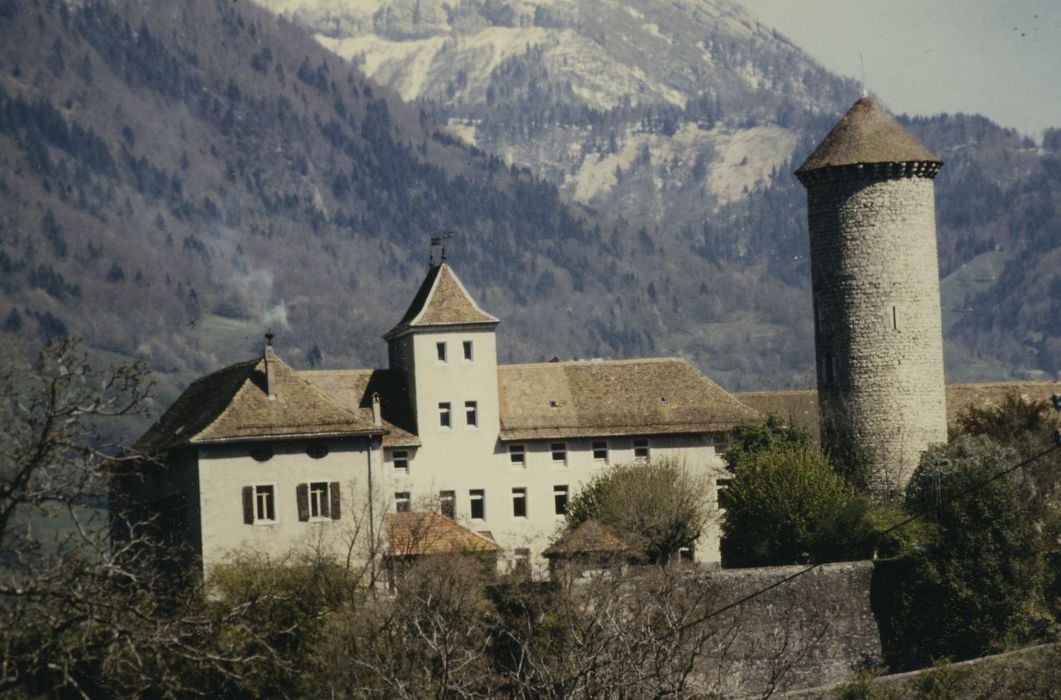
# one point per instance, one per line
(659, 506)
(786, 504)
(749, 438)
(977, 589)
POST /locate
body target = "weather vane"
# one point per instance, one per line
(440, 240)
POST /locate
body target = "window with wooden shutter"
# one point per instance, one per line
(302, 496)
(336, 500)
(248, 505)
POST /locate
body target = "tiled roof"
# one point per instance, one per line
(353, 389)
(233, 404)
(591, 537)
(441, 301)
(867, 134)
(414, 534)
(622, 397)
(801, 407)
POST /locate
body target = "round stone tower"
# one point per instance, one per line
(877, 329)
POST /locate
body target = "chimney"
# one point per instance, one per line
(377, 413)
(270, 365)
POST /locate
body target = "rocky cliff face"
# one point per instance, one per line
(662, 112)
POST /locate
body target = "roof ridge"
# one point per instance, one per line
(226, 368)
(619, 361)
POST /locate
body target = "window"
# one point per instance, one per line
(828, 375)
(318, 500)
(517, 454)
(259, 504)
(468, 355)
(400, 458)
(444, 419)
(447, 503)
(720, 491)
(521, 563)
(895, 317)
(402, 502)
(641, 450)
(519, 502)
(560, 499)
(317, 451)
(477, 502)
(471, 413)
(440, 351)
(559, 450)
(600, 451)
(686, 555)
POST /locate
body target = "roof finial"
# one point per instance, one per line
(862, 64)
(446, 235)
(439, 240)
(269, 337)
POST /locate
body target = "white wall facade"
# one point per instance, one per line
(224, 470)
(464, 458)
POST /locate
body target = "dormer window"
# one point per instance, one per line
(468, 352)
(440, 351)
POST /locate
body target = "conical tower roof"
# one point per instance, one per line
(867, 134)
(441, 301)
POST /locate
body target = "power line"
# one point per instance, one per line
(893, 528)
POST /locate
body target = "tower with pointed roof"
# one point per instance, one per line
(445, 347)
(875, 278)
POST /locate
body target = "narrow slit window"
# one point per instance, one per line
(471, 413)
(468, 351)
(440, 351)
(445, 420)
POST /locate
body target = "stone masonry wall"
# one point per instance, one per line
(878, 331)
(815, 630)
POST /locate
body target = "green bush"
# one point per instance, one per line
(786, 504)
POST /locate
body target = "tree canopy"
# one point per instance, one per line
(658, 506)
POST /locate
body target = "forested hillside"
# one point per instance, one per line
(688, 118)
(174, 182)
(175, 179)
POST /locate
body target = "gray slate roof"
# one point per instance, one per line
(353, 389)
(441, 301)
(867, 134)
(232, 405)
(620, 397)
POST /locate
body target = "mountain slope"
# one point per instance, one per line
(687, 118)
(175, 182)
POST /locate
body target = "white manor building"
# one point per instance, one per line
(260, 456)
